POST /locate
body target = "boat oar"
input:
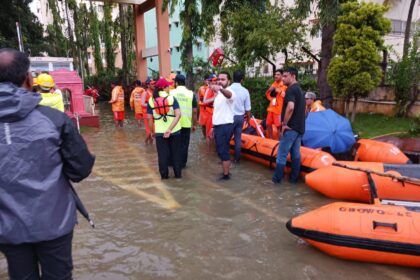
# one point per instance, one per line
(369, 171)
(258, 127)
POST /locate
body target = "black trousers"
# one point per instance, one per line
(185, 143)
(53, 257)
(169, 151)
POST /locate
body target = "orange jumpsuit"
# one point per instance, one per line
(209, 112)
(118, 105)
(135, 102)
(202, 120)
(144, 100)
(276, 103)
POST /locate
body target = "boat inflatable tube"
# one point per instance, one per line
(341, 183)
(370, 233)
(264, 151)
(376, 151)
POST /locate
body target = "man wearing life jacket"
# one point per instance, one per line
(275, 94)
(188, 106)
(117, 101)
(135, 102)
(50, 97)
(312, 105)
(202, 120)
(150, 86)
(164, 110)
(208, 101)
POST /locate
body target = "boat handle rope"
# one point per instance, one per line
(376, 224)
(272, 155)
(401, 179)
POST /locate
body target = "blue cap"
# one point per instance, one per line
(179, 78)
(211, 77)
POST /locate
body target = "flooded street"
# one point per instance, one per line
(195, 227)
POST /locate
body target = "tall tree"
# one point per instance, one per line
(123, 36)
(326, 12)
(253, 31)
(407, 32)
(95, 37)
(354, 70)
(81, 20)
(109, 47)
(70, 34)
(55, 33)
(197, 21)
(32, 32)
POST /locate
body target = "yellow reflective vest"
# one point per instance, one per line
(184, 97)
(163, 121)
(53, 100)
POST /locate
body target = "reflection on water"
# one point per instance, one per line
(197, 227)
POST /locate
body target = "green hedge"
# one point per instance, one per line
(258, 86)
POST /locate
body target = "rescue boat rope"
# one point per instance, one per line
(401, 179)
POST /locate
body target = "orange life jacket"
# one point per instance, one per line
(162, 108)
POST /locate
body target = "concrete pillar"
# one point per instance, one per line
(162, 21)
(140, 43)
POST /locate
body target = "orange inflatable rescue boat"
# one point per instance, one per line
(264, 151)
(376, 151)
(372, 233)
(343, 183)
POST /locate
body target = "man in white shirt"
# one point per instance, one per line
(242, 106)
(223, 119)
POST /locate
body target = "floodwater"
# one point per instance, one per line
(195, 227)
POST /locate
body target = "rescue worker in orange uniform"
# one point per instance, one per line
(117, 101)
(135, 102)
(202, 119)
(150, 87)
(312, 105)
(275, 94)
(208, 102)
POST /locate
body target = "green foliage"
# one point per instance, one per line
(414, 129)
(95, 37)
(83, 36)
(355, 71)
(257, 88)
(404, 75)
(253, 30)
(369, 125)
(109, 48)
(197, 21)
(31, 29)
(102, 81)
(55, 37)
(308, 83)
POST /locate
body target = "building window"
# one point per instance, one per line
(176, 24)
(199, 46)
(265, 69)
(177, 49)
(398, 26)
(170, 27)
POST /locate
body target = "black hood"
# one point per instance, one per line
(16, 103)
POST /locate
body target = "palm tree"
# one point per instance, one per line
(408, 24)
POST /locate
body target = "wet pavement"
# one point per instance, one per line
(195, 227)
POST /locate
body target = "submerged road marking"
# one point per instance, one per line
(244, 200)
(126, 183)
